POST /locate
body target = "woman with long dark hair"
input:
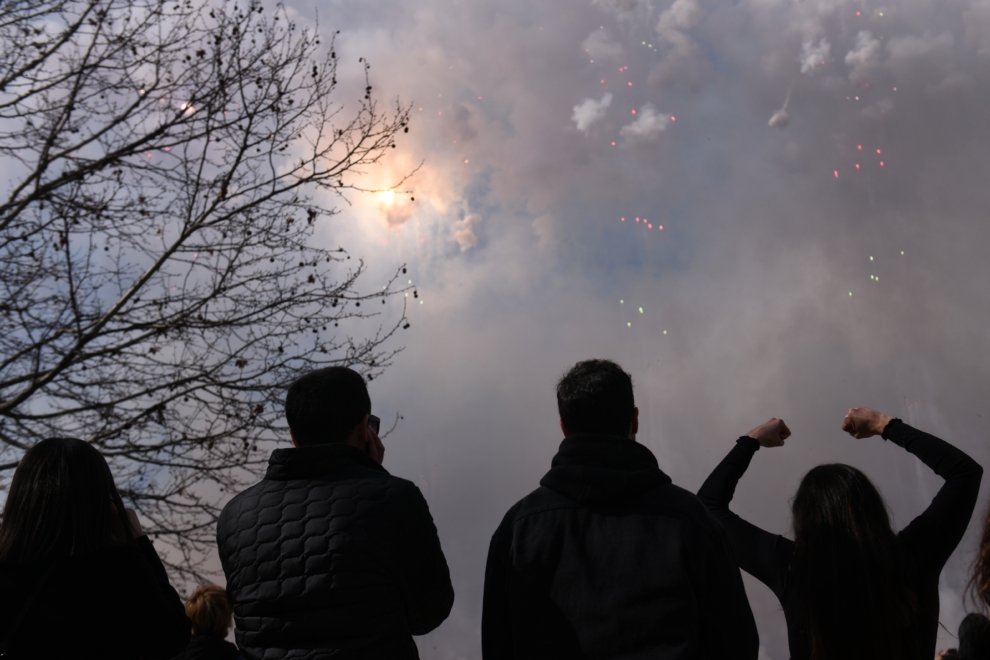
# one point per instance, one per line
(78, 579)
(979, 585)
(851, 588)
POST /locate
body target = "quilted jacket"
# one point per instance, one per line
(332, 557)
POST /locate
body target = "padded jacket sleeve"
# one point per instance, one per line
(759, 553)
(425, 577)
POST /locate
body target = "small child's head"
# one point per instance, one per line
(974, 637)
(210, 611)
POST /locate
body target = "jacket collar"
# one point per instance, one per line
(602, 470)
(316, 461)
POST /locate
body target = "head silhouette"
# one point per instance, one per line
(596, 396)
(326, 405)
(974, 637)
(61, 502)
(209, 610)
(846, 572)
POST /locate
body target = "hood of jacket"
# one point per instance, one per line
(602, 470)
(316, 461)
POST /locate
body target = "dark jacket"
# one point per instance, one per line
(926, 542)
(112, 604)
(209, 647)
(332, 557)
(609, 559)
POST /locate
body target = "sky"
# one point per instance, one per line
(758, 208)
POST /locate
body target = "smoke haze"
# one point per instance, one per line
(798, 272)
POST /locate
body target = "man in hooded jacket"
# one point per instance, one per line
(608, 558)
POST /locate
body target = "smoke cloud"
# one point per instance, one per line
(590, 111)
(464, 232)
(814, 55)
(864, 58)
(779, 119)
(838, 263)
(600, 46)
(647, 126)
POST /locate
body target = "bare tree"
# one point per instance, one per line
(160, 279)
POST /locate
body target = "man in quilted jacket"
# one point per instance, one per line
(330, 556)
(608, 558)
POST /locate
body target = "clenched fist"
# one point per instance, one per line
(771, 434)
(864, 422)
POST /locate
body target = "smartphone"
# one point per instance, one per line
(375, 423)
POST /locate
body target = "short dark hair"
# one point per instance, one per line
(325, 405)
(59, 503)
(596, 396)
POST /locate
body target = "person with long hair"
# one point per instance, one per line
(78, 578)
(979, 584)
(850, 587)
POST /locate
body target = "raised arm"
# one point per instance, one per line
(760, 553)
(938, 530)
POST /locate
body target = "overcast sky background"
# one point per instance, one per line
(523, 115)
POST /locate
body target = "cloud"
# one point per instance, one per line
(977, 31)
(864, 58)
(953, 83)
(647, 126)
(904, 49)
(545, 228)
(683, 64)
(600, 46)
(464, 232)
(878, 110)
(621, 6)
(928, 57)
(590, 111)
(459, 120)
(683, 61)
(681, 15)
(398, 213)
(814, 55)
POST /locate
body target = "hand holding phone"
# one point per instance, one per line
(374, 446)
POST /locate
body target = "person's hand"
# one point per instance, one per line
(948, 654)
(771, 434)
(864, 422)
(118, 535)
(373, 444)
